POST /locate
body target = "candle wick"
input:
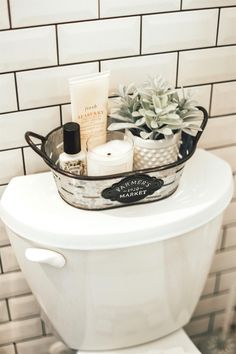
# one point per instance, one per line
(108, 154)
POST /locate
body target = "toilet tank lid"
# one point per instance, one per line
(32, 208)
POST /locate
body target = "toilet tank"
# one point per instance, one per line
(121, 277)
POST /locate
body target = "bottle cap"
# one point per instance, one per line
(71, 138)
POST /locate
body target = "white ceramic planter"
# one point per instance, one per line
(154, 153)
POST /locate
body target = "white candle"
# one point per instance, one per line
(116, 156)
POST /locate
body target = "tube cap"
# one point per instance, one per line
(71, 138)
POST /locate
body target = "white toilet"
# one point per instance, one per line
(119, 280)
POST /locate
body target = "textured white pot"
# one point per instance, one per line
(154, 153)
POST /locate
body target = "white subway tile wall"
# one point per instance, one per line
(27, 48)
(227, 29)
(4, 18)
(43, 44)
(23, 307)
(223, 99)
(8, 100)
(196, 4)
(98, 39)
(182, 30)
(7, 349)
(9, 262)
(112, 8)
(33, 12)
(137, 69)
(47, 87)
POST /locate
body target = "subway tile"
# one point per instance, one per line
(87, 41)
(227, 29)
(199, 339)
(219, 320)
(226, 280)
(27, 48)
(212, 136)
(4, 240)
(13, 165)
(230, 214)
(180, 30)
(201, 94)
(16, 331)
(33, 162)
(4, 18)
(3, 312)
(13, 284)
(8, 100)
(228, 154)
(39, 345)
(2, 189)
(32, 12)
(210, 305)
(8, 349)
(40, 121)
(9, 262)
(224, 260)
(223, 98)
(66, 113)
(196, 4)
(230, 237)
(207, 65)
(50, 86)
(210, 285)
(109, 8)
(23, 306)
(197, 326)
(138, 69)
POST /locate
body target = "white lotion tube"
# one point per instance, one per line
(89, 96)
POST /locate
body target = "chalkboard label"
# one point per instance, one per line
(133, 188)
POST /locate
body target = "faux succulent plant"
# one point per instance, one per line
(154, 110)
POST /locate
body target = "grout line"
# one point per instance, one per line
(210, 103)
(99, 9)
(23, 160)
(35, 108)
(120, 16)
(9, 14)
(218, 26)
(221, 147)
(217, 284)
(22, 340)
(1, 267)
(57, 45)
(140, 35)
(17, 94)
(99, 65)
(222, 246)
(211, 322)
(15, 347)
(43, 328)
(181, 5)
(61, 121)
(177, 70)
(8, 310)
(127, 57)
(224, 271)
